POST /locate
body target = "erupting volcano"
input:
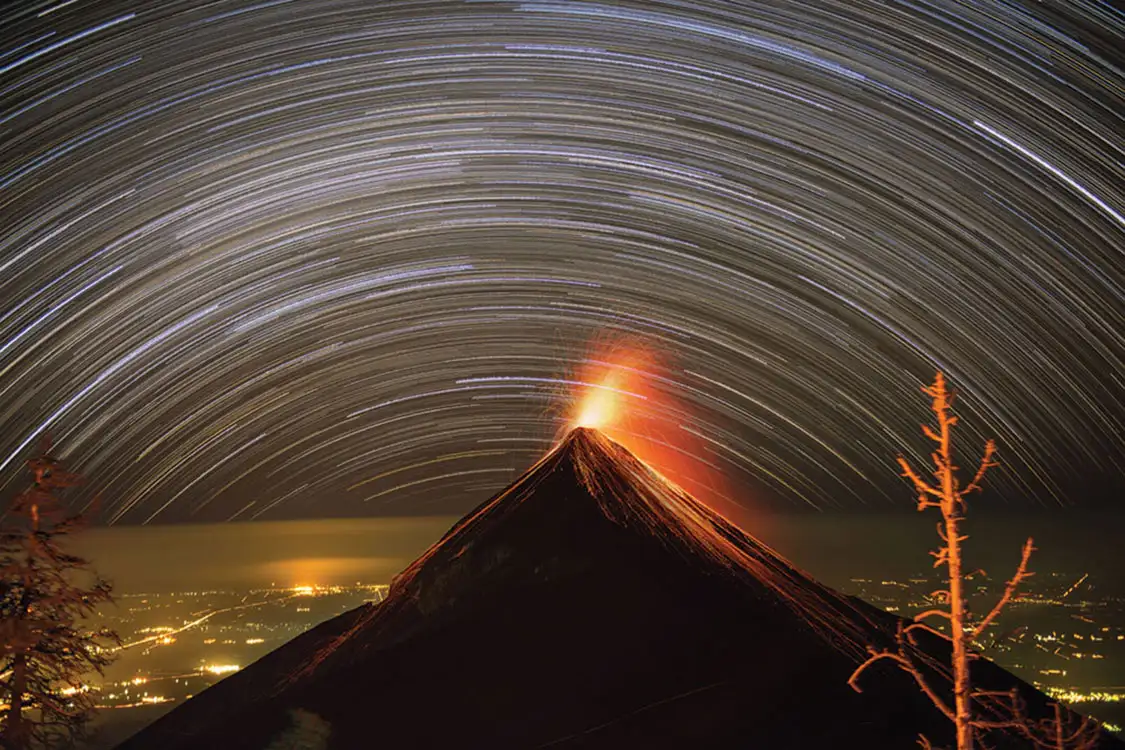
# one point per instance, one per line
(590, 604)
(629, 393)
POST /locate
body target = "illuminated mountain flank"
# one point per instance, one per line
(591, 604)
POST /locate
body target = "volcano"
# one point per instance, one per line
(591, 604)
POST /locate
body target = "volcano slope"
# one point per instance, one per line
(589, 605)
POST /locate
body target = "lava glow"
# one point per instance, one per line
(603, 404)
(613, 390)
(626, 392)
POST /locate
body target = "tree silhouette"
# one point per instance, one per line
(45, 594)
(1065, 730)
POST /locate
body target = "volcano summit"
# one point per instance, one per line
(591, 604)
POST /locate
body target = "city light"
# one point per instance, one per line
(221, 668)
(1075, 696)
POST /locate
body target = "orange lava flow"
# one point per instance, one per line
(627, 393)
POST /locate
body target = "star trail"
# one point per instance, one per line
(325, 257)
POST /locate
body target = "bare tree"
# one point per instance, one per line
(45, 594)
(1065, 730)
(948, 495)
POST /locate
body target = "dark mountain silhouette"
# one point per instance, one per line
(589, 605)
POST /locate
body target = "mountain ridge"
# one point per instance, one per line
(632, 497)
(589, 604)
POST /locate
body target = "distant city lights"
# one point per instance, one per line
(221, 668)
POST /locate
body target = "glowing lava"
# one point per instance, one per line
(602, 406)
(610, 391)
(626, 392)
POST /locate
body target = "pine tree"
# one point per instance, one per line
(45, 595)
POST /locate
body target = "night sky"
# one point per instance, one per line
(308, 258)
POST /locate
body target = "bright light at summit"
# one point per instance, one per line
(603, 403)
(627, 391)
(612, 389)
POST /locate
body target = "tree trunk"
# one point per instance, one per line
(951, 510)
(13, 738)
(961, 683)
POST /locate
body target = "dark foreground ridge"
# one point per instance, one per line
(589, 605)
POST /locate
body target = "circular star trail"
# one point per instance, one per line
(323, 257)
